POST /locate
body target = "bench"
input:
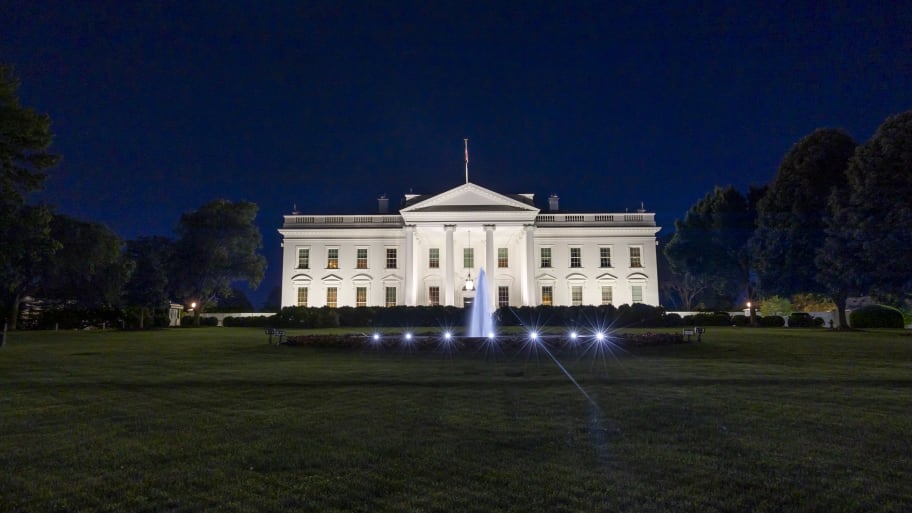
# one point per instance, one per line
(277, 333)
(695, 331)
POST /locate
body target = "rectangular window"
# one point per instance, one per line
(607, 295)
(360, 296)
(636, 294)
(547, 296)
(391, 296)
(391, 258)
(332, 258)
(576, 295)
(604, 257)
(303, 258)
(503, 297)
(503, 260)
(576, 259)
(433, 296)
(362, 259)
(434, 258)
(635, 258)
(332, 297)
(468, 258)
(546, 257)
(302, 296)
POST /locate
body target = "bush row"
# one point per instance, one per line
(430, 341)
(876, 316)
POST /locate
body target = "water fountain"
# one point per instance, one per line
(481, 323)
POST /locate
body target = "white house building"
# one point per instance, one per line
(424, 254)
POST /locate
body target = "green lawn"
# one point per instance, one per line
(215, 419)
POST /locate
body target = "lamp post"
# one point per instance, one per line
(752, 312)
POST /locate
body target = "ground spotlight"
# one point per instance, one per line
(491, 335)
(376, 337)
(447, 335)
(533, 335)
(573, 335)
(599, 336)
(408, 335)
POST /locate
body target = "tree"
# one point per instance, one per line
(217, 246)
(872, 224)
(27, 246)
(147, 288)
(791, 217)
(90, 269)
(25, 137)
(236, 301)
(711, 243)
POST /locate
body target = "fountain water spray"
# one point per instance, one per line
(481, 323)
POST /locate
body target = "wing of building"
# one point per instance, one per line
(424, 254)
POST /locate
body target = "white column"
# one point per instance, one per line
(409, 270)
(450, 297)
(489, 264)
(529, 271)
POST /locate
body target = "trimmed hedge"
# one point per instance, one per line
(260, 321)
(432, 341)
(772, 321)
(876, 316)
(187, 321)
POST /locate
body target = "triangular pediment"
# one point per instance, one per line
(469, 197)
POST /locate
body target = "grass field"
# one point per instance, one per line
(215, 419)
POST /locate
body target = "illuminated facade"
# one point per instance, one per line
(424, 254)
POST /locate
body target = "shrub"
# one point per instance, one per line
(712, 319)
(673, 320)
(802, 320)
(260, 321)
(187, 321)
(771, 321)
(876, 316)
(740, 320)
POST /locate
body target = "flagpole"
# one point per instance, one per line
(467, 158)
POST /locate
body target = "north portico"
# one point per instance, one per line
(423, 254)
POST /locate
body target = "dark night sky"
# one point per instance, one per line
(160, 108)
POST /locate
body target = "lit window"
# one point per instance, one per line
(433, 296)
(636, 294)
(635, 260)
(362, 259)
(547, 296)
(434, 258)
(302, 296)
(332, 258)
(303, 258)
(607, 295)
(576, 295)
(332, 296)
(546, 257)
(604, 257)
(390, 258)
(391, 296)
(360, 296)
(503, 259)
(503, 297)
(576, 259)
(468, 258)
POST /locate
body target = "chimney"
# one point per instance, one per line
(383, 204)
(552, 202)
